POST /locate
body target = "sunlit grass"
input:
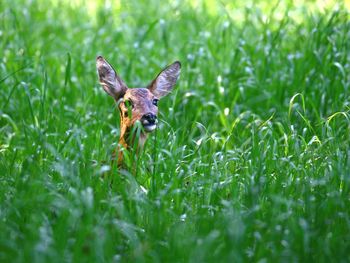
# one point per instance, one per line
(251, 160)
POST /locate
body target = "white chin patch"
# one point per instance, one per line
(150, 128)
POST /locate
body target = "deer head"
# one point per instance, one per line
(136, 104)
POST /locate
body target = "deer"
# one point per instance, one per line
(136, 105)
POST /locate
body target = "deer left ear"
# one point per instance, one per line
(166, 80)
(109, 79)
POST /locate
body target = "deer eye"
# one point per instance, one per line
(128, 104)
(155, 102)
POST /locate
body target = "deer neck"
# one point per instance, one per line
(127, 142)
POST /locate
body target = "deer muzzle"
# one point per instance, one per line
(149, 122)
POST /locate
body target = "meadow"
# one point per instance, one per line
(250, 162)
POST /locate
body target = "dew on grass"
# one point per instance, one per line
(88, 197)
(226, 111)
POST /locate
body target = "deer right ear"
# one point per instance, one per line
(166, 80)
(110, 81)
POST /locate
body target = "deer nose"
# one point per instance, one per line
(149, 118)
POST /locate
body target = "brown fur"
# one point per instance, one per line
(142, 100)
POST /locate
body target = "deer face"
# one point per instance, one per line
(137, 104)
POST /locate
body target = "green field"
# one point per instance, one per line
(250, 162)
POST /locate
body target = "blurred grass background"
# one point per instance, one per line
(251, 161)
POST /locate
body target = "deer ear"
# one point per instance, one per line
(110, 81)
(166, 80)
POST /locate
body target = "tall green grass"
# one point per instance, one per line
(251, 161)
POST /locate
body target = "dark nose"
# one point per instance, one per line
(150, 117)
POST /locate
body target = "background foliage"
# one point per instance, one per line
(251, 161)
